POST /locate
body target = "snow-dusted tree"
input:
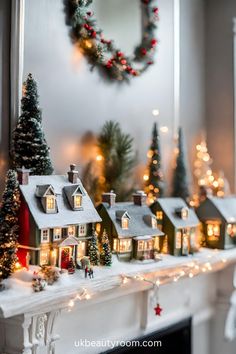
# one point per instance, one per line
(93, 249)
(29, 146)
(106, 255)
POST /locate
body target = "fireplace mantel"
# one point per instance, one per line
(118, 304)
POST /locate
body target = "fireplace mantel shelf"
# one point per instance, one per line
(19, 298)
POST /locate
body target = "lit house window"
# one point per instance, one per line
(77, 201)
(125, 223)
(82, 230)
(213, 229)
(178, 238)
(115, 245)
(71, 231)
(184, 213)
(157, 243)
(44, 257)
(148, 245)
(50, 203)
(125, 245)
(56, 234)
(159, 215)
(45, 235)
(140, 245)
(231, 230)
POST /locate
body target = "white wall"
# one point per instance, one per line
(75, 100)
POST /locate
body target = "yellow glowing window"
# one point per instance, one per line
(50, 203)
(148, 245)
(178, 238)
(231, 230)
(213, 229)
(157, 243)
(71, 231)
(125, 223)
(125, 245)
(184, 213)
(115, 245)
(159, 215)
(44, 257)
(154, 223)
(78, 201)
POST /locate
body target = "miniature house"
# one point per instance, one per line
(132, 228)
(218, 217)
(179, 223)
(56, 218)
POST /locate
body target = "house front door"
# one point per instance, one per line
(65, 256)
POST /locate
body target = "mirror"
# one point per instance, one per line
(120, 20)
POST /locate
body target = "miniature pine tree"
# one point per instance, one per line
(106, 255)
(9, 225)
(154, 185)
(93, 252)
(180, 179)
(29, 146)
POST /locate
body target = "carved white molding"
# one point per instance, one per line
(17, 54)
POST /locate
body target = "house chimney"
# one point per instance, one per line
(23, 176)
(109, 198)
(140, 198)
(73, 174)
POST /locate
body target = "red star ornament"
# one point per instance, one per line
(158, 310)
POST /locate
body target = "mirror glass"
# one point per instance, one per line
(121, 21)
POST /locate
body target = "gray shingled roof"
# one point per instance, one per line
(65, 216)
(226, 207)
(169, 207)
(137, 225)
(41, 190)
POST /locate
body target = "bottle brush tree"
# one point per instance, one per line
(29, 146)
(106, 255)
(9, 228)
(181, 180)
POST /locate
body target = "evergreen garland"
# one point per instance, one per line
(9, 225)
(106, 255)
(180, 179)
(93, 252)
(154, 185)
(29, 147)
(102, 52)
(118, 161)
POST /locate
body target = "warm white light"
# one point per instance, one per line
(155, 112)
(145, 177)
(190, 275)
(164, 129)
(99, 157)
(87, 296)
(71, 303)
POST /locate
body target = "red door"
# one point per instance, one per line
(65, 257)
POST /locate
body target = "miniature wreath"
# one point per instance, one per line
(102, 52)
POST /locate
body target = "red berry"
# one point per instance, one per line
(94, 34)
(155, 10)
(143, 51)
(150, 62)
(123, 61)
(120, 54)
(86, 26)
(153, 42)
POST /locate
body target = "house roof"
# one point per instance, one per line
(170, 206)
(137, 224)
(42, 190)
(65, 215)
(225, 206)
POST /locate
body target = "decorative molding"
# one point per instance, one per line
(176, 67)
(17, 54)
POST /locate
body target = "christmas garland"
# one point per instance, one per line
(101, 52)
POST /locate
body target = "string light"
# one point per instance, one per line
(155, 112)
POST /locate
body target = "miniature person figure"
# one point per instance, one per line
(86, 271)
(71, 266)
(90, 272)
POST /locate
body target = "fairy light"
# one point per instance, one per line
(155, 112)
(191, 275)
(164, 129)
(99, 158)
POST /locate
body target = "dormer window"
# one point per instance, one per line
(50, 204)
(183, 213)
(125, 223)
(77, 201)
(123, 217)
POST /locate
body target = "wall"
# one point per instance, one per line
(75, 100)
(192, 72)
(5, 7)
(219, 84)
